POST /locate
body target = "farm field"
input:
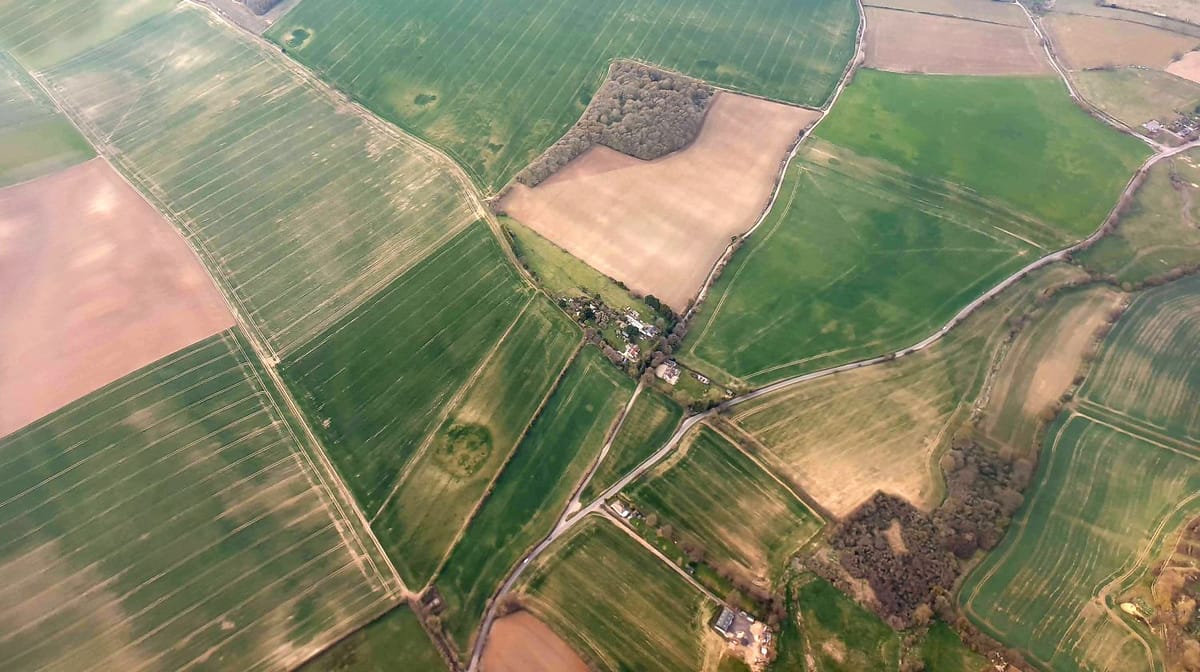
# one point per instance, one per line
(96, 286)
(659, 226)
(396, 636)
(650, 422)
(430, 500)
(1159, 232)
(617, 605)
(1092, 42)
(305, 207)
(1137, 95)
(980, 10)
(1176, 9)
(495, 82)
(43, 33)
(1090, 8)
(170, 519)
(843, 437)
(709, 491)
(533, 489)
(456, 306)
(904, 41)
(520, 642)
(1187, 67)
(34, 138)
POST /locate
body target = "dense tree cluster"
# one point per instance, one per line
(260, 7)
(639, 110)
(983, 491)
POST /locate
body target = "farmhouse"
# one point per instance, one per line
(668, 371)
(634, 320)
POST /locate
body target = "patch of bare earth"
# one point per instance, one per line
(901, 41)
(520, 642)
(1091, 42)
(96, 286)
(659, 226)
(1187, 67)
(1063, 360)
(895, 538)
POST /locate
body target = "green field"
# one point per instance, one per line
(942, 650)
(34, 138)
(42, 33)
(169, 519)
(711, 492)
(650, 422)
(495, 82)
(616, 604)
(376, 382)
(303, 207)
(1137, 95)
(433, 498)
(1159, 231)
(533, 489)
(396, 638)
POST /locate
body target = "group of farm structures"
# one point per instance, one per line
(285, 393)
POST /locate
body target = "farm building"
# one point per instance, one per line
(668, 371)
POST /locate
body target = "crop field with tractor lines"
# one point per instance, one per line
(43, 33)
(495, 82)
(650, 422)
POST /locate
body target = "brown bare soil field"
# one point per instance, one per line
(1187, 67)
(96, 285)
(1089, 42)
(520, 642)
(902, 41)
(659, 226)
(981, 10)
(1183, 10)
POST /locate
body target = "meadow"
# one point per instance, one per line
(377, 647)
(433, 498)
(304, 207)
(43, 33)
(34, 138)
(375, 383)
(533, 489)
(650, 422)
(170, 519)
(616, 604)
(495, 82)
(710, 492)
(1137, 95)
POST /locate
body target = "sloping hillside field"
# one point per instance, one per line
(305, 207)
(495, 82)
(170, 520)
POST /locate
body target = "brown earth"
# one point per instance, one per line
(1064, 359)
(1187, 67)
(96, 286)
(520, 642)
(659, 226)
(900, 41)
(1183, 10)
(983, 10)
(1091, 42)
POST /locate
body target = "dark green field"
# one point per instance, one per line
(533, 489)
(395, 639)
(650, 422)
(494, 82)
(34, 138)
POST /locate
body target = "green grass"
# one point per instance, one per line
(168, 519)
(1020, 141)
(711, 492)
(375, 383)
(495, 82)
(1137, 95)
(34, 138)
(1159, 231)
(942, 650)
(840, 635)
(856, 259)
(533, 489)
(650, 422)
(616, 604)
(43, 33)
(436, 495)
(396, 638)
(304, 208)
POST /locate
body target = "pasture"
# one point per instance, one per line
(710, 492)
(34, 138)
(302, 205)
(828, 632)
(659, 226)
(431, 499)
(980, 10)
(43, 33)
(96, 286)
(170, 520)
(843, 437)
(1158, 233)
(376, 383)
(533, 489)
(1092, 42)
(650, 422)
(617, 605)
(1102, 500)
(377, 647)
(903, 41)
(1137, 95)
(495, 82)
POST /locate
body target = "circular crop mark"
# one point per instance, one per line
(462, 448)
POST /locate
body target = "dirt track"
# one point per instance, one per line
(96, 286)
